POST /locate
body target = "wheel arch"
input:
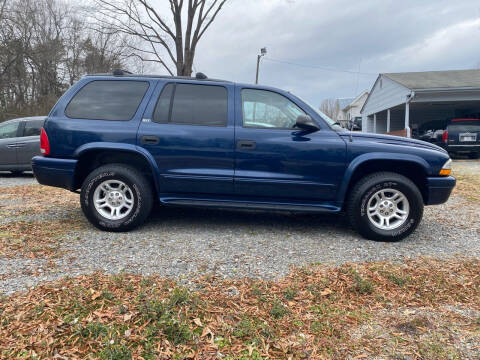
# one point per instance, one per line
(91, 156)
(413, 167)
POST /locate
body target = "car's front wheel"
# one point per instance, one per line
(385, 206)
(116, 197)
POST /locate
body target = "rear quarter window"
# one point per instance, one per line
(32, 127)
(116, 100)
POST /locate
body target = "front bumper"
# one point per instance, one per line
(439, 189)
(55, 172)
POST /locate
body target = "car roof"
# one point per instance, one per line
(25, 118)
(154, 76)
(130, 76)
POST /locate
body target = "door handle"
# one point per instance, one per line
(12, 146)
(246, 144)
(19, 145)
(150, 140)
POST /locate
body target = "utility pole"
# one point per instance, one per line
(263, 52)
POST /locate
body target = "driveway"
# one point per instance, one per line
(184, 243)
(8, 179)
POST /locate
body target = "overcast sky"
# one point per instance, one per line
(371, 35)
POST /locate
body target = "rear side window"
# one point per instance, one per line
(32, 127)
(107, 100)
(192, 104)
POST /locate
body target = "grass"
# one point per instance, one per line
(365, 312)
(278, 309)
(361, 285)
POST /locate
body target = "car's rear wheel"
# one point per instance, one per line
(116, 197)
(385, 206)
(474, 155)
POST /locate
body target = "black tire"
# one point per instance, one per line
(474, 155)
(16, 172)
(366, 188)
(141, 190)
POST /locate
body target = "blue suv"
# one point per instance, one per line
(127, 140)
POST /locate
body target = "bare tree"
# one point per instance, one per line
(163, 41)
(45, 47)
(3, 5)
(331, 108)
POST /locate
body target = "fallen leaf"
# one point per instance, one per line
(326, 292)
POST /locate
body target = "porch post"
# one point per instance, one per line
(388, 120)
(375, 123)
(407, 118)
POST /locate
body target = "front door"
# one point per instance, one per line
(189, 130)
(8, 145)
(28, 145)
(275, 159)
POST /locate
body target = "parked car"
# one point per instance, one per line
(462, 136)
(126, 139)
(19, 143)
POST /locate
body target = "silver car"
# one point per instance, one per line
(19, 142)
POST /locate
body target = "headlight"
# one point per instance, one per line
(446, 168)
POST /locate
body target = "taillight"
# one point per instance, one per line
(445, 136)
(44, 144)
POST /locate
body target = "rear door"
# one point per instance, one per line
(8, 144)
(188, 128)
(28, 144)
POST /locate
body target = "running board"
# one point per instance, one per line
(240, 204)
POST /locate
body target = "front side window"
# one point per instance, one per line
(32, 127)
(107, 100)
(266, 109)
(8, 131)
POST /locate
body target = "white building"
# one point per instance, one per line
(349, 108)
(406, 103)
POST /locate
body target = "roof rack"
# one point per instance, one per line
(119, 72)
(198, 76)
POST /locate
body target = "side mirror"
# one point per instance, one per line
(306, 123)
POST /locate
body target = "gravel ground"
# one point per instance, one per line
(184, 243)
(8, 179)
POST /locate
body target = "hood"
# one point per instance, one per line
(390, 139)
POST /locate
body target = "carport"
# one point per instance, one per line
(408, 104)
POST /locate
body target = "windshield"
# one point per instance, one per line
(332, 123)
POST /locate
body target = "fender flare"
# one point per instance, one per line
(364, 158)
(95, 146)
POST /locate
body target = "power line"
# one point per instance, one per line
(318, 67)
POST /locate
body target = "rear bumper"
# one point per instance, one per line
(439, 189)
(55, 172)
